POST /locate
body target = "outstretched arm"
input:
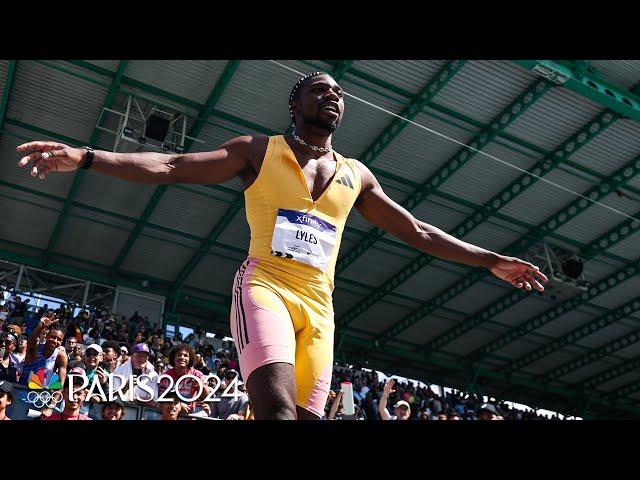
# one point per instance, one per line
(231, 159)
(379, 209)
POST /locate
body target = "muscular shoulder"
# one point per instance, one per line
(252, 147)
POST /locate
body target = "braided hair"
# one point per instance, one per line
(295, 91)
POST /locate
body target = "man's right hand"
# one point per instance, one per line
(388, 386)
(50, 157)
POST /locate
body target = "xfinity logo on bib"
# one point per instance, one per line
(308, 220)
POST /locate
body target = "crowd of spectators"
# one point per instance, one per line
(97, 342)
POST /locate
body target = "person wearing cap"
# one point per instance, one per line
(73, 400)
(136, 366)
(487, 411)
(9, 363)
(183, 358)
(230, 407)
(401, 410)
(124, 355)
(91, 363)
(6, 397)
(113, 410)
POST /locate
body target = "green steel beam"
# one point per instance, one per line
(237, 205)
(57, 229)
(455, 163)
(204, 112)
(587, 85)
(612, 281)
(611, 373)
(595, 354)
(6, 92)
(437, 82)
(624, 391)
(555, 221)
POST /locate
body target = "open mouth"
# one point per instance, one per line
(331, 109)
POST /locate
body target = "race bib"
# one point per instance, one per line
(304, 238)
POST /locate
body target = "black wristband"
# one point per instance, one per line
(88, 158)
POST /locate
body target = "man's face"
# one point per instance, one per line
(110, 354)
(170, 410)
(402, 412)
(5, 401)
(139, 359)
(321, 103)
(74, 401)
(112, 411)
(71, 343)
(54, 338)
(181, 359)
(199, 360)
(92, 358)
(77, 351)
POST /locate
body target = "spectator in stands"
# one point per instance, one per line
(401, 409)
(73, 401)
(200, 364)
(110, 353)
(159, 366)
(6, 397)
(172, 406)
(230, 408)
(138, 365)
(77, 354)
(124, 355)
(487, 411)
(91, 364)
(70, 344)
(9, 364)
(48, 356)
(18, 311)
(113, 410)
(182, 357)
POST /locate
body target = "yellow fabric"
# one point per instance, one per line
(281, 184)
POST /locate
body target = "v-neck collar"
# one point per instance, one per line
(336, 157)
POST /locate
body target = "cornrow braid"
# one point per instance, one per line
(297, 86)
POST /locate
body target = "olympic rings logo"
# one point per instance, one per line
(44, 398)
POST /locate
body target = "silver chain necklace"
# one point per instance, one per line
(312, 147)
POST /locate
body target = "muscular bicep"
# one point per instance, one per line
(233, 158)
(383, 212)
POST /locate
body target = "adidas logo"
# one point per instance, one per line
(346, 181)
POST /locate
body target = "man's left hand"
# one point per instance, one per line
(519, 273)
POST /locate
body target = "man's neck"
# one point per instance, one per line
(314, 136)
(3, 413)
(182, 370)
